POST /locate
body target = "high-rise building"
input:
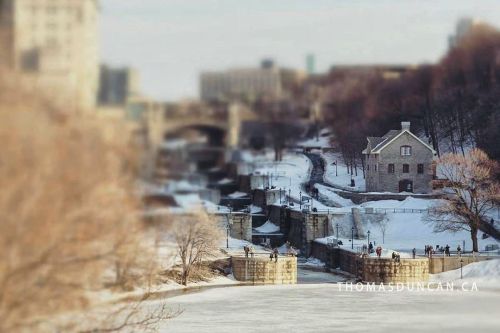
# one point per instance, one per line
(53, 44)
(117, 85)
(463, 27)
(241, 83)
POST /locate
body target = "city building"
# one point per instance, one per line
(117, 85)
(241, 83)
(398, 162)
(53, 45)
(463, 27)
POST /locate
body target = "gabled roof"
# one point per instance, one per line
(393, 135)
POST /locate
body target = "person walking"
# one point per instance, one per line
(246, 249)
(414, 252)
(459, 251)
(447, 250)
(275, 255)
(252, 251)
(379, 251)
(370, 248)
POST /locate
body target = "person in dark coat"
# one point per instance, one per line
(246, 249)
(447, 250)
(414, 252)
(275, 252)
(370, 248)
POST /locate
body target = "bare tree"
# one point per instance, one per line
(197, 238)
(67, 210)
(473, 193)
(384, 225)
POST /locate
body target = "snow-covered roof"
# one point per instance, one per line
(379, 143)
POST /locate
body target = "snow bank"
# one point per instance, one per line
(332, 196)
(237, 194)
(268, 228)
(484, 272)
(225, 181)
(314, 262)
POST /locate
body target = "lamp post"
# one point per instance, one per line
(228, 226)
(337, 226)
(461, 264)
(352, 238)
(336, 173)
(300, 200)
(368, 233)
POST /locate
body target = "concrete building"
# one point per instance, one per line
(463, 27)
(53, 44)
(117, 85)
(398, 162)
(241, 83)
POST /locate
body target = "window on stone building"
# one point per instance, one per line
(406, 168)
(420, 168)
(405, 150)
(390, 168)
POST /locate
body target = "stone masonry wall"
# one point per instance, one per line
(443, 264)
(241, 227)
(386, 270)
(392, 154)
(261, 270)
(381, 181)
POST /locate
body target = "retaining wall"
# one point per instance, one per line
(261, 270)
(386, 270)
(383, 270)
(443, 264)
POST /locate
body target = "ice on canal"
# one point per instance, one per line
(323, 308)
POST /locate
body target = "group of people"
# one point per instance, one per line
(396, 256)
(249, 250)
(429, 250)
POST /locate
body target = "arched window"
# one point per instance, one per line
(405, 150)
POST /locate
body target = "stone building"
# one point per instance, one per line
(117, 85)
(398, 162)
(53, 46)
(240, 82)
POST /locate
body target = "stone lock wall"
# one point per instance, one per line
(241, 227)
(385, 270)
(261, 270)
(443, 264)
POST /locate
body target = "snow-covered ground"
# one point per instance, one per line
(342, 178)
(267, 228)
(486, 274)
(323, 308)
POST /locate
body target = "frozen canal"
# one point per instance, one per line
(323, 308)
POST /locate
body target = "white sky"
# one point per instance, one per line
(171, 41)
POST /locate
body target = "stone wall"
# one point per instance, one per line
(386, 270)
(241, 227)
(380, 180)
(443, 264)
(261, 270)
(383, 270)
(359, 198)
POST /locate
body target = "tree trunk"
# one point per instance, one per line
(473, 235)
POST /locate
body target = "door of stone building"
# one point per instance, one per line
(405, 185)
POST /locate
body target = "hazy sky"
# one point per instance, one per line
(171, 41)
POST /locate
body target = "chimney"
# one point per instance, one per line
(405, 125)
